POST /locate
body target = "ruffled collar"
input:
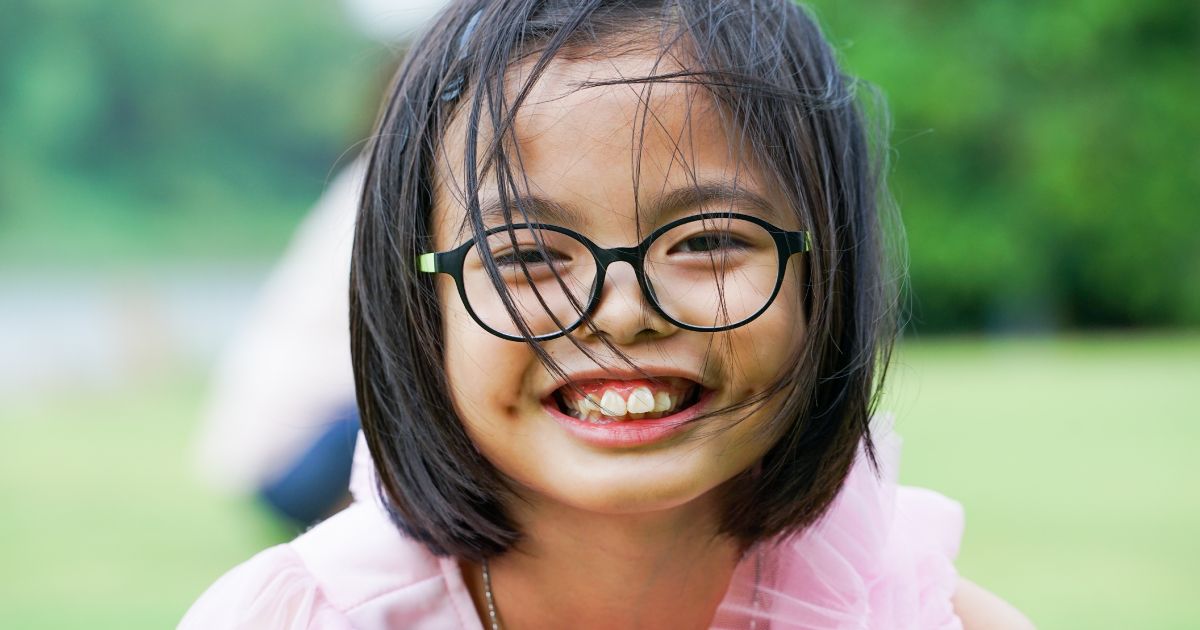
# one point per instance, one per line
(881, 557)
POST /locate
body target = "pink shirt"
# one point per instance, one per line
(881, 558)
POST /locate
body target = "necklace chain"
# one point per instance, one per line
(491, 600)
(494, 618)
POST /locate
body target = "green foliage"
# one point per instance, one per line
(1045, 154)
(160, 128)
(1046, 159)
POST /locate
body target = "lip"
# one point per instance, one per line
(628, 433)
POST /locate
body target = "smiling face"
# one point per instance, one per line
(582, 150)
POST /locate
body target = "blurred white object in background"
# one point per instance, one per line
(391, 20)
(288, 369)
(282, 380)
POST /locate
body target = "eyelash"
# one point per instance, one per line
(722, 239)
(519, 257)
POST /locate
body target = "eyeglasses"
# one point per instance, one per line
(708, 272)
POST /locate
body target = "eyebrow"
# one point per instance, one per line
(537, 210)
(705, 193)
(542, 210)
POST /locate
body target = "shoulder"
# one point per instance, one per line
(882, 556)
(980, 609)
(271, 590)
(353, 570)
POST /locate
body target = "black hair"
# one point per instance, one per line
(778, 86)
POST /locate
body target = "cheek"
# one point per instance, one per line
(484, 371)
(462, 365)
(762, 350)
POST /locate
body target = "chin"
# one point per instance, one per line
(632, 492)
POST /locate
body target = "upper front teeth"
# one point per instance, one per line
(641, 400)
(612, 404)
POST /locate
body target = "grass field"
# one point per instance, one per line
(1073, 459)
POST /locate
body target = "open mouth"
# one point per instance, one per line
(609, 401)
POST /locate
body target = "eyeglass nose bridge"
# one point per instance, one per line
(631, 255)
(634, 255)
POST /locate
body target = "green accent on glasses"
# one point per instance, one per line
(427, 263)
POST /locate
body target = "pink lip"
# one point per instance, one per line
(629, 433)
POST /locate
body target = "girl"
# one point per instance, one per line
(619, 311)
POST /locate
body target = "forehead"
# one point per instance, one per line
(603, 151)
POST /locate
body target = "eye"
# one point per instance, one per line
(529, 257)
(709, 242)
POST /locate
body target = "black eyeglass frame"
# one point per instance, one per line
(451, 263)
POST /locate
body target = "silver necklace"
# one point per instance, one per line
(491, 601)
(494, 619)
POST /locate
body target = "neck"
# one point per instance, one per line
(587, 570)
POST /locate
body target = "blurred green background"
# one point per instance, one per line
(155, 158)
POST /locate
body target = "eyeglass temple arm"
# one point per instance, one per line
(798, 242)
(450, 262)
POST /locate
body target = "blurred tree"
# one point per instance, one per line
(144, 127)
(1046, 156)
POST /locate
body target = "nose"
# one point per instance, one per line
(624, 314)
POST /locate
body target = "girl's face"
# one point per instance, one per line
(579, 148)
